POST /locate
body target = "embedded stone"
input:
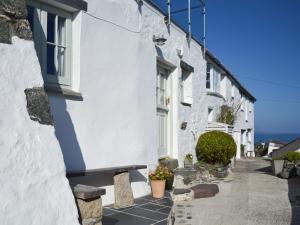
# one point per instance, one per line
(205, 190)
(38, 106)
(14, 8)
(22, 29)
(123, 192)
(5, 30)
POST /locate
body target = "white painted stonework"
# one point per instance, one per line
(115, 122)
(34, 189)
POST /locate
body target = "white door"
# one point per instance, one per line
(162, 111)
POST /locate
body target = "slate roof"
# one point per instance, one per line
(290, 147)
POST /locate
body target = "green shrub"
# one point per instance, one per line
(215, 147)
(291, 156)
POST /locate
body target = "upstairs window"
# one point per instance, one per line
(208, 76)
(213, 77)
(186, 83)
(51, 29)
(232, 92)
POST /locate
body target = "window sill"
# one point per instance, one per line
(186, 103)
(216, 94)
(64, 92)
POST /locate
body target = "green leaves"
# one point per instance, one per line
(215, 147)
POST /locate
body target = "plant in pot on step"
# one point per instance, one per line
(188, 161)
(158, 180)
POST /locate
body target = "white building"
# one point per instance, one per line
(273, 145)
(120, 98)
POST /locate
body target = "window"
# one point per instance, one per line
(232, 92)
(208, 76)
(52, 36)
(210, 114)
(242, 103)
(186, 87)
(223, 85)
(213, 77)
(246, 110)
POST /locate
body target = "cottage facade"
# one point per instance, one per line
(120, 97)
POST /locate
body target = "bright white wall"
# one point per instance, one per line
(34, 189)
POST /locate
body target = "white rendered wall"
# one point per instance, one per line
(34, 189)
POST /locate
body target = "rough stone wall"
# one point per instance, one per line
(34, 189)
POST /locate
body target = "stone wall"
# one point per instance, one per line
(34, 189)
(13, 20)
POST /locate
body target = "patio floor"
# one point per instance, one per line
(146, 211)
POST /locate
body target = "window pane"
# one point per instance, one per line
(50, 60)
(61, 31)
(30, 17)
(208, 80)
(51, 27)
(61, 61)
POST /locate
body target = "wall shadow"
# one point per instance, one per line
(294, 197)
(66, 134)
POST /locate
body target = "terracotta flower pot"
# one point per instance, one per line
(158, 188)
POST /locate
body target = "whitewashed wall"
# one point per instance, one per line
(34, 189)
(115, 123)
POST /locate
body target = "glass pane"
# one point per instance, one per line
(61, 31)
(30, 17)
(51, 27)
(50, 60)
(61, 61)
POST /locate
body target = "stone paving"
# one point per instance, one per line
(252, 197)
(146, 211)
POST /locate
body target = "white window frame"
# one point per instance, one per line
(215, 78)
(246, 110)
(242, 103)
(186, 86)
(40, 26)
(232, 91)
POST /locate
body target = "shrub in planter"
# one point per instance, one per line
(158, 180)
(215, 147)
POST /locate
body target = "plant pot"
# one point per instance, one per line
(188, 163)
(277, 166)
(169, 183)
(158, 188)
(222, 172)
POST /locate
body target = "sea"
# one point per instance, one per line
(265, 137)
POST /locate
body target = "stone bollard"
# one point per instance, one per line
(89, 204)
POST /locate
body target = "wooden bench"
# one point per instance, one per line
(122, 188)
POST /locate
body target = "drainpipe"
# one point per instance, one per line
(204, 28)
(189, 22)
(169, 13)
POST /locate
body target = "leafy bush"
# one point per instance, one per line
(291, 156)
(215, 147)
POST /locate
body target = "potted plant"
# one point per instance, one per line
(188, 161)
(158, 180)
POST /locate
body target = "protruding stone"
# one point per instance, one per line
(205, 190)
(13, 8)
(5, 30)
(22, 29)
(123, 192)
(38, 106)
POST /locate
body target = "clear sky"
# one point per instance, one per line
(260, 40)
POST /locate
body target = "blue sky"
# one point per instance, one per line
(258, 39)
